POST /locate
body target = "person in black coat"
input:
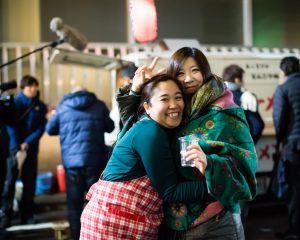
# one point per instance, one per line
(286, 116)
(6, 117)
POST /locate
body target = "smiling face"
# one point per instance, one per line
(190, 76)
(166, 104)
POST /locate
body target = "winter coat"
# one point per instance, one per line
(286, 109)
(29, 125)
(81, 121)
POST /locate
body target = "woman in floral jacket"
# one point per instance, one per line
(224, 136)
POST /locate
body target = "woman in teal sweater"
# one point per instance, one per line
(224, 137)
(126, 202)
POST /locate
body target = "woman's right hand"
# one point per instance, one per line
(194, 152)
(143, 74)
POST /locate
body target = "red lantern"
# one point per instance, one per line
(144, 20)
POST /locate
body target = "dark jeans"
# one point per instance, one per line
(4, 143)
(244, 212)
(78, 182)
(225, 225)
(2, 173)
(28, 177)
(294, 199)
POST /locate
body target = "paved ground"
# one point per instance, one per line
(49, 208)
(265, 218)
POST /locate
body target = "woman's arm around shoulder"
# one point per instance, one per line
(152, 143)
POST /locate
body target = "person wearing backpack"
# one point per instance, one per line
(233, 77)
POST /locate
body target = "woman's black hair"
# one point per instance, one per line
(148, 88)
(181, 55)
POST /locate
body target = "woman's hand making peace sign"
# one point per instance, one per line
(144, 73)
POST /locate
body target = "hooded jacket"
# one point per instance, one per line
(81, 121)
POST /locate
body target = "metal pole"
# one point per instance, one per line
(130, 36)
(247, 23)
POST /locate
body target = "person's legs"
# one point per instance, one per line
(92, 175)
(28, 176)
(4, 153)
(244, 212)
(293, 202)
(3, 233)
(8, 191)
(2, 172)
(75, 184)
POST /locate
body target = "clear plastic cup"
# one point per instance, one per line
(184, 143)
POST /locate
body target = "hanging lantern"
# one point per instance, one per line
(144, 20)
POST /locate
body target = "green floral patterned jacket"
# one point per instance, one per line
(224, 136)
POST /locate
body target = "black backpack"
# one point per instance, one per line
(256, 124)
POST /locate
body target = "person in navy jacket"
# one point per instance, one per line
(81, 121)
(24, 137)
(286, 117)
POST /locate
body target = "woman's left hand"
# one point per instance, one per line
(195, 153)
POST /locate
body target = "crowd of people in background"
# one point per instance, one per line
(128, 160)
